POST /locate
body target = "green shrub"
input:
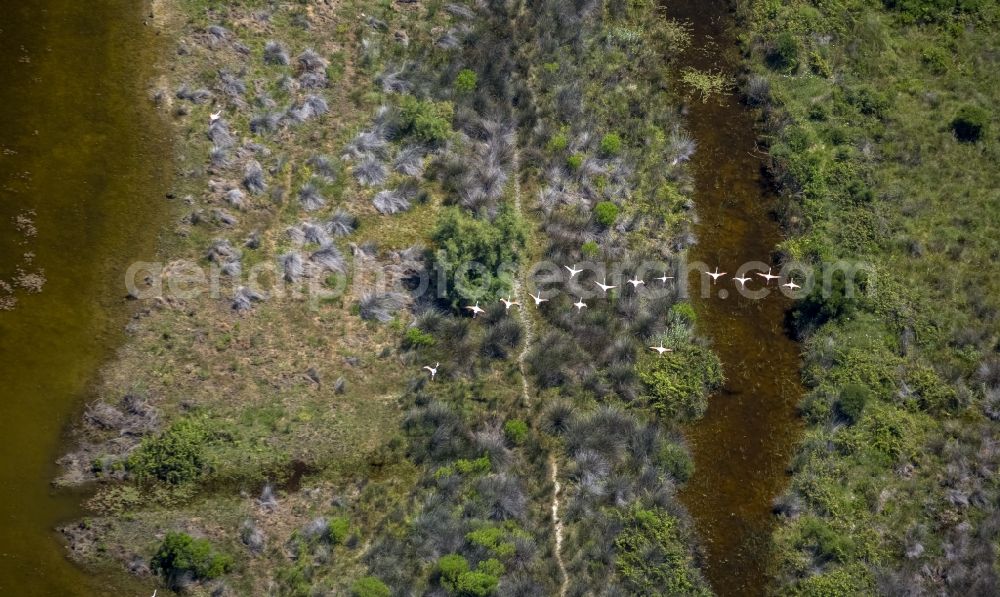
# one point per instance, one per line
(590, 249)
(827, 543)
(970, 124)
(558, 142)
(180, 554)
(516, 431)
(175, 456)
(479, 466)
(339, 528)
(370, 586)
(683, 312)
(678, 384)
(852, 400)
(450, 568)
(869, 101)
(466, 81)
(611, 144)
(476, 584)
(606, 213)
(428, 121)
(574, 162)
(785, 53)
(462, 239)
(652, 555)
(677, 461)
(416, 338)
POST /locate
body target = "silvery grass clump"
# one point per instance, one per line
(291, 266)
(275, 53)
(313, 233)
(253, 178)
(311, 107)
(461, 11)
(217, 33)
(310, 61)
(244, 298)
(395, 201)
(393, 82)
(380, 306)
(230, 85)
(370, 172)
(235, 198)
(310, 198)
(225, 218)
(449, 41)
(329, 258)
(197, 96)
(341, 223)
(219, 157)
(252, 536)
(371, 143)
(681, 147)
(268, 122)
(219, 134)
(410, 161)
(323, 166)
(758, 90)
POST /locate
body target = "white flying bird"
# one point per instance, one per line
(768, 276)
(791, 285)
(742, 280)
(604, 287)
(664, 278)
(509, 303)
(433, 370)
(636, 282)
(716, 274)
(572, 271)
(538, 299)
(660, 349)
(580, 304)
(214, 116)
(476, 309)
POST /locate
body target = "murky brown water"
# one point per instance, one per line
(81, 146)
(744, 443)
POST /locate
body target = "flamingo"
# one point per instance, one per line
(580, 304)
(509, 303)
(538, 299)
(476, 309)
(433, 370)
(604, 287)
(636, 283)
(791, 285)
(716, 274)
(664, 278)
(214, 116)
(743, 280)
(660, 349)
(572, 271)
(768, 276)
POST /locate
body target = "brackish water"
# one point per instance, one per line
(82, 146)
(744, 443)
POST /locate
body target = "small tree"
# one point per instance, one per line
(181, 555)
(970, 124)
(428, 121)
(611, 144)
(370, 586)
(851, 403)
(516, 431)
(606, 213)
(466, 81)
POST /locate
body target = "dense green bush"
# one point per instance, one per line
(611, 144)
(180, 554)
(590, 249)
(558, 142)
(677, 461)
(784, 55)
(175, 456)
(516, 431)
(852, 400)
(370, 586)
(466, 81)
(652, 555)
(462, 239)
(574, 162)
(970, 124)
(416, 338)
(679, 383)
(606, 213)
(428, 121)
